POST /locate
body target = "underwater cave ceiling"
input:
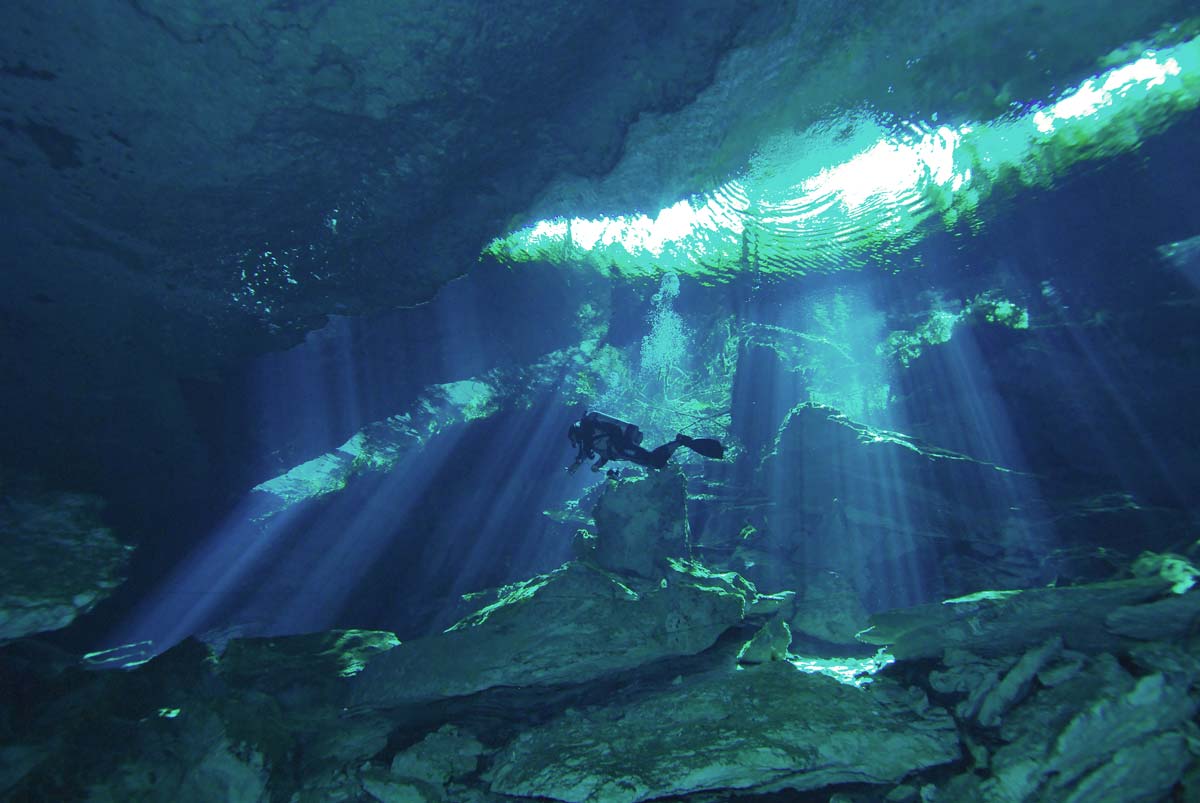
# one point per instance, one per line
(188, 184)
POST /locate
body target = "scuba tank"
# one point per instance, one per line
(629, 431)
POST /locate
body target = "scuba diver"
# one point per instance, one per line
(613, 439)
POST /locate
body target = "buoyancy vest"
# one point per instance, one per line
(627, 431)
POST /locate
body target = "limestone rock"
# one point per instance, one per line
(1049, 710)
(904, 793)
(1109, 725)
(1178, 659)
(770, 604)
(56, 558)
(290, 661)
(994, 623)
(766, 728)
(769, 644)
(1140, 772)
(16, 761)
(193, 762)
(1070, 741)
(1183, 256)
(1016, 682)
(335, 786)
(970, 675)
(441, 757)
(387, 789)
(828, 608)
(226, 773)
(583, 545)
(1165, 619)
(1068, 664)
(189, 725)
(835, 482)
(962, 675)
(641, 523)
(571, 625)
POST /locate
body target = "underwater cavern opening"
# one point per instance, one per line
(749, 400)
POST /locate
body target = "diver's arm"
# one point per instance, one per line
(599, 464)
(584, 453)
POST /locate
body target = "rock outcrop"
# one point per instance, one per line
(57, 560)
(632, 600)
(640, 524)
(1004, 622)
(576, 624)
(867, 503)
(828, 609)
(1107, 718)
(762, 729)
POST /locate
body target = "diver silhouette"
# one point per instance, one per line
(613, 439)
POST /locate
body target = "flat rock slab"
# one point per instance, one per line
(574, 624)
(767, 728)
(995, 623)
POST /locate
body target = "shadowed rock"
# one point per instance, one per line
(1103, 736)
(574, 624)
(762, 729)
(993, 623)
(56, 559)
(640, 524)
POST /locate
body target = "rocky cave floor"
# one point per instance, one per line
(634, 673)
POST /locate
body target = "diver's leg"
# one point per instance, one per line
(659, 457)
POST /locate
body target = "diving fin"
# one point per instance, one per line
(707, 447)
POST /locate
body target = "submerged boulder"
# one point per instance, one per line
(441, 757)
(767, 728)
(57, 560)
(769, 644)
(1016, 683)
(438, 769)
(641, 523)
(574, 624)
(828, 608)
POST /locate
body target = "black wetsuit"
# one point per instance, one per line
(597, 434)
